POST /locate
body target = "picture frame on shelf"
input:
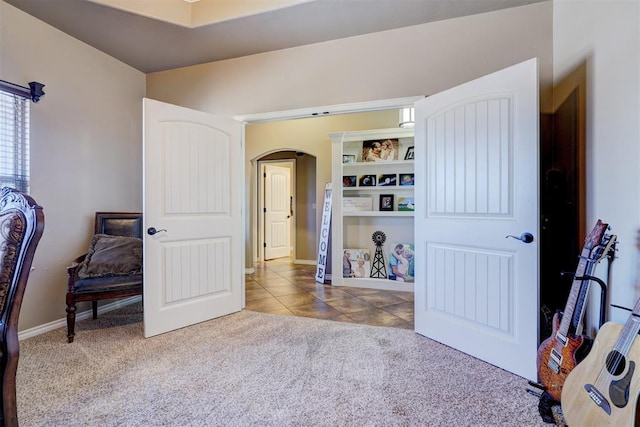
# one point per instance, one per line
(348, 158)
(409, 153)
(401, 262)
(367, 181)
(380, 150)
(349, 181)
(406, 179)
(386, 202)
(356, 263)
(387, 179)
(357, 204)
(406, 204)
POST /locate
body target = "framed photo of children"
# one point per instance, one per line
(386, 202)
(409, 155)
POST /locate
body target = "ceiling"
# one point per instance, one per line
(167, 41)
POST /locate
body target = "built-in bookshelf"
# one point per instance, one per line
(373, 191)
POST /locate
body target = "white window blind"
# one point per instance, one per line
(14, 141)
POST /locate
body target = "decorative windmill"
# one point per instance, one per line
(378, 269)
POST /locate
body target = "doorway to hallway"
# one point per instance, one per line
(284, 201)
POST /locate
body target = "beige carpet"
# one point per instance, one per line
(254, 369)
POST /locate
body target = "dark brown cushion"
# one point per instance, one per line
(112, 256)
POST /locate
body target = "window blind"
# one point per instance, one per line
(14, 141)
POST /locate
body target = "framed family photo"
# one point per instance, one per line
(356, 263)
(380, 150)
(401, 262)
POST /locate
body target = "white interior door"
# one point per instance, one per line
(193, 163)
(278, 210)
(476, 173)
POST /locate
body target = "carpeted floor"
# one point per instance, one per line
(255, 369)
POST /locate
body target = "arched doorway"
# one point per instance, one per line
(301, 207)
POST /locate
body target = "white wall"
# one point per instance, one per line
(85, 146)
(411, 61)
(597, 47)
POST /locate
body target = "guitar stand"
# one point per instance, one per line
(603, 286)
(603, 294)
(546, 403)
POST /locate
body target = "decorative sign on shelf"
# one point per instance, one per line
(350, 204)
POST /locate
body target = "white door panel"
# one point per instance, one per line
(193, 267)
(476, 170)
(277, 215)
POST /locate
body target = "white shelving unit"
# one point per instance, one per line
(358, 195)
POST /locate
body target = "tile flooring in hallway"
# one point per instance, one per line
(281, 287)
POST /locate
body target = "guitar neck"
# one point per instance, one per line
(577, 294)
(630, 331)
(578, 311)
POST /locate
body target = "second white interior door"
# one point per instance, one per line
(278, 210)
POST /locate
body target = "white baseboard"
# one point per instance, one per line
(305, 261)
(249, 270)
(62, 323)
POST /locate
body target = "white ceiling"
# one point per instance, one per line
(152, 44)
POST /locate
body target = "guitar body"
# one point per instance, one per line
(573, 353)
(620, 390)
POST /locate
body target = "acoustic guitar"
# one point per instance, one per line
(564, 349)
(603, 389)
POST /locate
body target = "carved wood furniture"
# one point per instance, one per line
(21, 226)
(105, 284)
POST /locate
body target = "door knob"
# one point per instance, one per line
(524, 237)
(152, 230)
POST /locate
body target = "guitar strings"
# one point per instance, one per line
(621, 348)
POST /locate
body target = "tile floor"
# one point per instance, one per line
(281, 287)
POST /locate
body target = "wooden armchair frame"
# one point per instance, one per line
(21, 226)
(94, 289)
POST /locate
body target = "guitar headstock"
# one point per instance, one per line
(598, 242)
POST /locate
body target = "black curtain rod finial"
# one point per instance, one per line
(36, 91)
(33, 92)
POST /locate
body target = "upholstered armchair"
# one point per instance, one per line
(112, 268)
(21, 226)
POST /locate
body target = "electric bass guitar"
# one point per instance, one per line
(563, 350)
(603, 389)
